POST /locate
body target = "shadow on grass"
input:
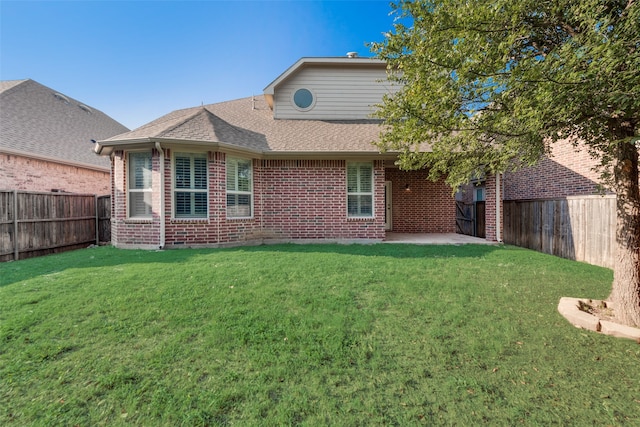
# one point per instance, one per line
(107, 256)
(396, 250)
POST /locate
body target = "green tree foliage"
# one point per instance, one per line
(492, 85)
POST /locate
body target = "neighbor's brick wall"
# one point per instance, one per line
(566, 172)
(23, 173)
(427, 207)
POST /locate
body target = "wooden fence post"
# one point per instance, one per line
(16, 250)
(95, 204)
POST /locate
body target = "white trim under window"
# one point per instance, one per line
(359, 190)
(190, 185)
(239, 188)
(139, 185)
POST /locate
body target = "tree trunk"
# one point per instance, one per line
(625, 292)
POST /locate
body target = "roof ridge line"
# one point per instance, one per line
(188, 118)
(231, 125)
(15, 86)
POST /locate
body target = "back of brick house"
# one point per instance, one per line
(296, 164)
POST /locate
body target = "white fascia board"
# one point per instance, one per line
(107, 149)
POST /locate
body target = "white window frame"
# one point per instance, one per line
(234, 211)
(146, 190)
(359, 191)
(191, 189)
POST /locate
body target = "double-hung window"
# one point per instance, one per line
(359, 190)
(239, 188)
(139, 185)
(190, 192)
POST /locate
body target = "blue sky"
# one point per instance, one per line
(138, 60)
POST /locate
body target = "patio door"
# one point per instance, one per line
(388, 223)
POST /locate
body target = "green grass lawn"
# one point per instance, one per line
(308, 335)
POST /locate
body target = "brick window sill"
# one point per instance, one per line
(189, 221)
(138, 221)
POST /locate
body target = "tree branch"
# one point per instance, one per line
(628, 6)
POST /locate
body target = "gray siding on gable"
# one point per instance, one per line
(341, 93)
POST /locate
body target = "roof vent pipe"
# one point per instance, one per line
(352, 54)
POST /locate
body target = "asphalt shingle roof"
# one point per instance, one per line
(248, 123)
(37, 120)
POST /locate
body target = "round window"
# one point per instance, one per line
(303, 99)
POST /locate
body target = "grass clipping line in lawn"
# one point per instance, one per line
(307, 335)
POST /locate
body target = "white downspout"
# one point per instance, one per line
(162, 220)
(498, 203)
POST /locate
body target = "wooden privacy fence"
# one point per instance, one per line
(104, 218)
(471, 218)
(34, 224)
(464, 219)
(578, 228)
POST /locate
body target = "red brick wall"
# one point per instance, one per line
(24, 173)
(216, 229)
(125, 232)
(492, 222)
(426, 207)
(307, 199)
(292, 200)
(566, 172)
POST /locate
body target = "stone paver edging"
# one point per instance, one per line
(570, 309)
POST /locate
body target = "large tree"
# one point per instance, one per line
(492, 85)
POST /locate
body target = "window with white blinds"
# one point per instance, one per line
(239, 188)
(190, 190)
(359, 190)
(139, 179)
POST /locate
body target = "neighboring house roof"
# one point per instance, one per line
(36, 121)
(247, 124)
